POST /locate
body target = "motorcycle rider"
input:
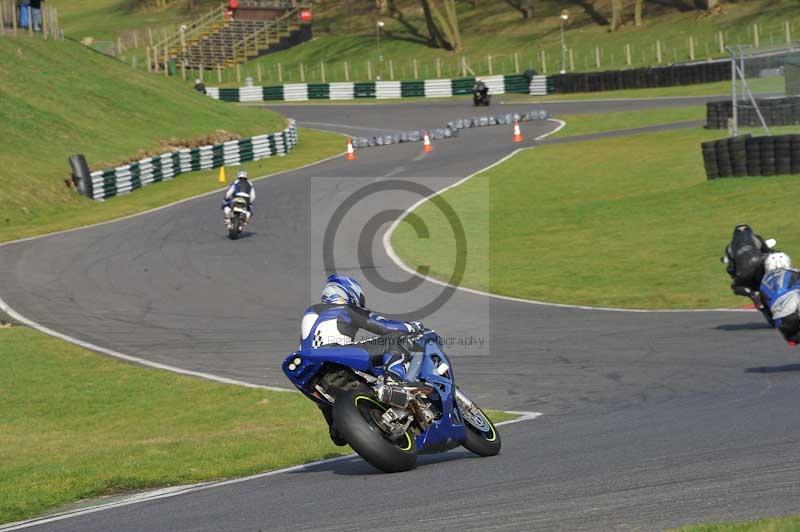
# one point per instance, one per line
(341, 313)
(480, 91)
(240, 188)
(780, 291)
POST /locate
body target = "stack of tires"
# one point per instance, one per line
(752, 156)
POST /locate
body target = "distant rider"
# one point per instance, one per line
(241, 188)
(480, 90)
(336, 320)
(780, 291)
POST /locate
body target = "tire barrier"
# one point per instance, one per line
(380, 90)
(776, 112)
(127, 178)
(752, 156)
(452, 129)
(641, 78)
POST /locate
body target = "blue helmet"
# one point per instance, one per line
(343, 290)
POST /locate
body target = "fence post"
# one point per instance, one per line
(597, 56)
(201, 73)
(322, 70)
(166, 62)
(238, 73)
(691, 47)
(346, 71)
(258, 71)
(544, 62)
(756, 39)
(136, 38)
(14, 19)
(149, 64)
(463, 66)
(439, 68)
(2, 18)
(280, 73)
(219, 73)
(628, 54)
(571, 59)
(302, 73)
(45, 26)
(391, 69)
(516, 63)
(416, 69)
(369, 70)
(721, 43)
(658, 52)
(787, 31)
(150, 35)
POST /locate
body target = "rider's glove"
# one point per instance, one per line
(415, 326)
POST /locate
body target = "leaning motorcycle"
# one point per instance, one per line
(388, 422)
(237, 220)
(481, 98)
(744, 260)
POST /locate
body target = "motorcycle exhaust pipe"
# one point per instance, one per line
(393, 395)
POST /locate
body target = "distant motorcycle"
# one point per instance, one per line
(744, 260)
(389, 422)
(237, 220)
(481, 97)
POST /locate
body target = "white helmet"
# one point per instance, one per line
(242, 174)
(777, 261)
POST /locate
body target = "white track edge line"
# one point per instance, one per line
(387, 246)
(174, 491)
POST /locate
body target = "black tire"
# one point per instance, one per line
(482, 436)
(236, 223)
(352, 413)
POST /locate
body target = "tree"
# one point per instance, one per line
(616, 12)
(442, 21)
(637, 12)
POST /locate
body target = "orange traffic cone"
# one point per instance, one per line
(351, 153)
(517, 132)
(427, 147)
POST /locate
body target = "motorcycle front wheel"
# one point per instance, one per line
(482, 436)
(355, 416)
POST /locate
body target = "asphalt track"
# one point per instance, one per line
(651, 420)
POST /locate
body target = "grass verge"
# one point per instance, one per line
(598, 123)
(59, 98)
(623, 222)
(76, 425)
(780, 524)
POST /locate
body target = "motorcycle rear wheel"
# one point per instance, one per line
(482, 436)
(354, 418)
(233, 228)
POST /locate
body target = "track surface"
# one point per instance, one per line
(651, 420)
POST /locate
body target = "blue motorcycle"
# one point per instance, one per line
(388, 421)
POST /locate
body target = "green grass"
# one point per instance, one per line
(780, 524)
(58, 99)
(596, 123)
(624, 222)
(77, 425)
(106, 19)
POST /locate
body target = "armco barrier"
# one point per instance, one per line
(752, 156)
(776, 112)
(381, 90)
(129, 177)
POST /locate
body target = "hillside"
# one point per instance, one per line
(345, 30)
(59, 98)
